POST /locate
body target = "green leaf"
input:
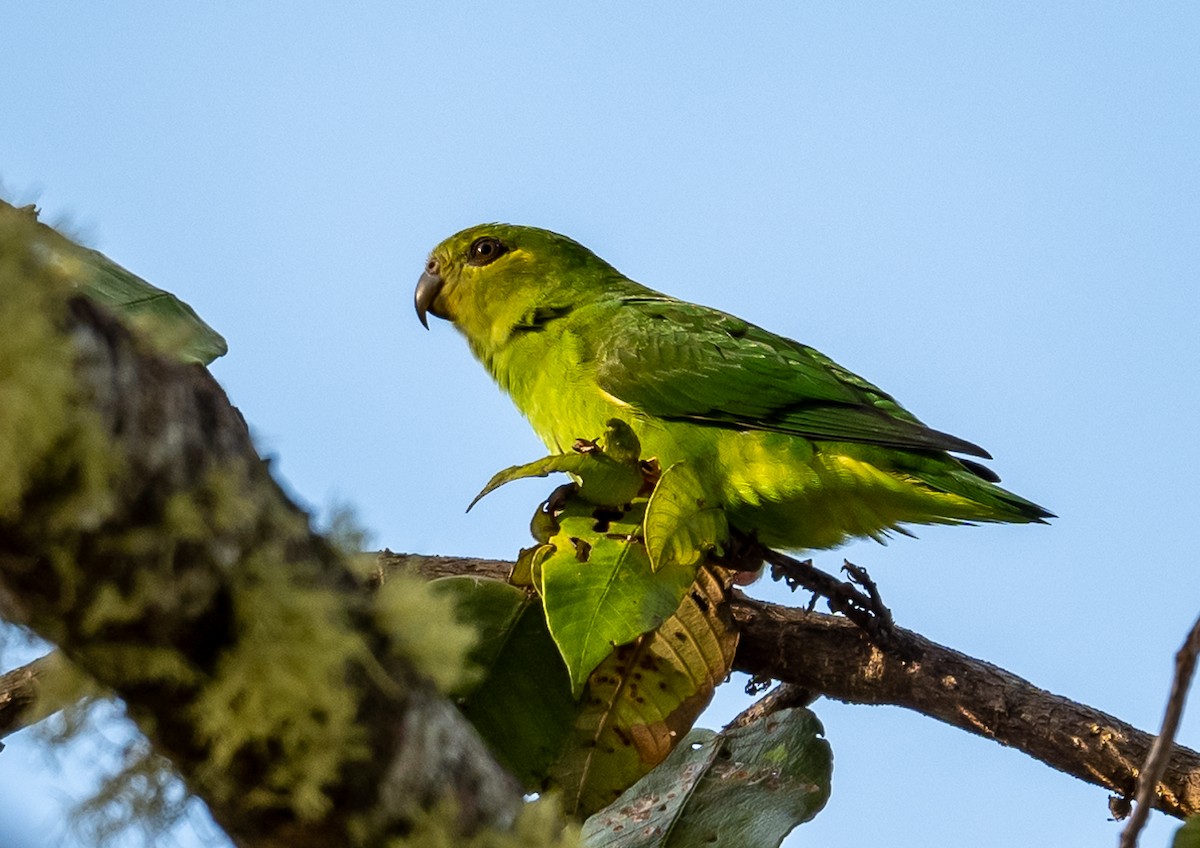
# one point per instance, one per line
(522, 705)
(639, 702)
(747, 786)
(1188, 835)
(543, 525)
(607, 471)
(598, 588)
(684, 523)
(172, 326)
(527, 570)
(620, 442)
(492, 608)
(544, 467)
(644, 697)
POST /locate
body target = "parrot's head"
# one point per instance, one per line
(491, 279)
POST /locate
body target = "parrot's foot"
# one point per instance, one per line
(857, 598)
(859, 577)
(560, 496)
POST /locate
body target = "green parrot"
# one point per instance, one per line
(799, 451)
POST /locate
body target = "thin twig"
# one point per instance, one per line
(1160, 751)
(782, 697)
(18, 693)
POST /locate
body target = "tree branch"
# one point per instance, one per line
(143, 535)
(18, 693)
(829, 655)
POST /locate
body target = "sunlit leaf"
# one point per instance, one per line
(620, 443)
(527, 570)
(644, 697)
(638, 703)
(598, 588)
(684, 523)
(606, 471)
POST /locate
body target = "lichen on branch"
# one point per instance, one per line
(141, 533)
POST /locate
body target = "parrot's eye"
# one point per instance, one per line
(485, 250)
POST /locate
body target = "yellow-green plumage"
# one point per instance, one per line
(800, 452)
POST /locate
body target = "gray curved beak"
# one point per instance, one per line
(428, 288)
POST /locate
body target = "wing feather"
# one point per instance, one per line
(679, 361)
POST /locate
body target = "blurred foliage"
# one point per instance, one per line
(171, 325)
(1188, 835)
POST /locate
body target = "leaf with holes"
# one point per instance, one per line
(684, 523)
(597, 586)
(645, 696)
(747, 786)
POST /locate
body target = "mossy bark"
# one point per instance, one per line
(143, 535)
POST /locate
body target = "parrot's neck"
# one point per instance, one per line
(543, 355)
(546, 368)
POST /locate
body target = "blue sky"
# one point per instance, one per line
(990, 210)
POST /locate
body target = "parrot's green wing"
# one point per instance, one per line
(679, 361)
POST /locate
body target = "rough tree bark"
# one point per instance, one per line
(19, 692)
(136, 522)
